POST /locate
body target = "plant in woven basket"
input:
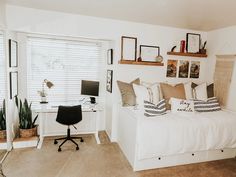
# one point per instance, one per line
(25, 114)
(3, 116)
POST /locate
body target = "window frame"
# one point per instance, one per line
(72, 39)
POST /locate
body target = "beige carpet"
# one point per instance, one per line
(92, 160)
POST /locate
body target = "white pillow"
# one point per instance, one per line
(188, 90)
(141, 93)
(155, 91)
(149, 93)
(201, 92)
(181, 106)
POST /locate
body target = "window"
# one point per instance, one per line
(63, 62)
(2, 70)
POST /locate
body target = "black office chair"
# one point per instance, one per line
(69, 115)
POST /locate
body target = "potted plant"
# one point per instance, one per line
(26, 122)
(3, 121)
(42, 92)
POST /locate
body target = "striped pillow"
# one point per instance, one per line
(210, 105)
(151, 109)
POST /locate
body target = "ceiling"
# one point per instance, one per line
(204, 15)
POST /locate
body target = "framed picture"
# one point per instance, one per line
(149, 53)
(193, 42)
(195, 69)
(171, 68)
(110, 56)
(183, 68)
(13, 84)
(13, 53)
(128, 48)
(109, 80)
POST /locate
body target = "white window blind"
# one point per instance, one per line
(2, 70)
(63, 62)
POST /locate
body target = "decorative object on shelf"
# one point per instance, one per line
(171, 68)
(109, 80)
(3, 121)
(43, 92)
(173, 48)
(183, 68)
(182, 46)
(110, 56)
(128, 48)
(139, 59)
(203, 50)
(13, 53)
(149, 53)
(26, 122)
(13, 84)
(193, 42)
(195, 69)
(159, 59)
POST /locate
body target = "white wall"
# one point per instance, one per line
(10, 109)
(2, 14)
(223, 42)
(12, 118)
(56, 23)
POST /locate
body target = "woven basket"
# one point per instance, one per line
(3, 134)
(27, 133)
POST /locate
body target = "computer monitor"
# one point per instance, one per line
(90, 88)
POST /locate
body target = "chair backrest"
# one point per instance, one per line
(69, 115)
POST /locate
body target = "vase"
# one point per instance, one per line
(43, 99)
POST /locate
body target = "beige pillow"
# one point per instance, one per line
(127, 92)
(169, 91)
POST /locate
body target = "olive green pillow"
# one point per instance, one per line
(127, 92)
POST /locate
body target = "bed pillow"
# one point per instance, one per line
(188, 90)
(127, 92)
(200, 92)
(142, 93)
(154, 89)
(169, 91)
(181, 106)
(210, 89)
(210, 105)
(151, 110)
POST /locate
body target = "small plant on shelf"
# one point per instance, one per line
(3, 121)
(26, 122)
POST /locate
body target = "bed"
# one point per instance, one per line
(175, 139)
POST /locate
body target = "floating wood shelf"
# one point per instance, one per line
(141, 63)
(188, 54)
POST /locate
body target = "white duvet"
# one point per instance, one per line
(175, 133)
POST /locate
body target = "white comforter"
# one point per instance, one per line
(174, 134)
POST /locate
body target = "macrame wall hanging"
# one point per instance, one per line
(223, 76)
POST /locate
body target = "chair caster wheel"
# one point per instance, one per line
(77, 148)
(59, 149)
(81, 140)
(55, 142)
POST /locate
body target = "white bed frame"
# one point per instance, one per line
(128, 128)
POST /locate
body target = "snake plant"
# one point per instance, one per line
(25, 114)
(3, 116)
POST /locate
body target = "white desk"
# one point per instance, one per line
(90, 116)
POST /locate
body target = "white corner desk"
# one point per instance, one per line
(49, 127)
